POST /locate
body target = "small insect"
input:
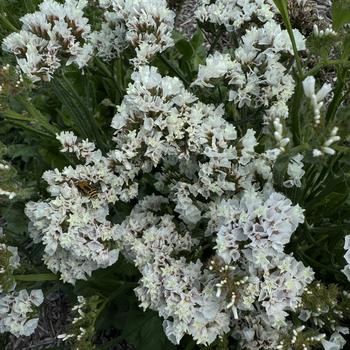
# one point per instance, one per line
(86, 188)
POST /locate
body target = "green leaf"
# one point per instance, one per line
(78, 110)
(321, 47)
(177, 36)
(17, 224)
(41, 277)
(185, 48)
(107, 281)
(143, 330)
(197, 40)
(29, 5)
(280, 168)
(340, 13)
(337, 95)
(294, 112)
(22, 150)
(282, 6)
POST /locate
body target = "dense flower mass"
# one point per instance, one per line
(16, 310)
(251, 226)
(200, 300)
(60, 34)
(73, 225)
(54, 35)
(233, 14)
(146, 25)
(256, 76)
(203, 189)
(110, 40)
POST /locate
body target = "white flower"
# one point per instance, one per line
(234, 13)
(68, 141)
(146, 25)
(48, 37)
(316, 98)
(110, 40)
(16, 310)
(295, 171)
(309, 86)
(217, 66)
(255, 76)
(336, 342)
(72, 225)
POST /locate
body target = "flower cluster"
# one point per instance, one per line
(146, 25)
(204, 167)
(256, 77)
(206, 176)
(53, 36)
(251, 235)
(59, 34)
(180, 291)
(316, 98)
(73, 225)
(16, 308)
(326, 146)
(233, 14)
(202, 300)
(295, 171)
(110, 40)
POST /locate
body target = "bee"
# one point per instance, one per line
(86, 188)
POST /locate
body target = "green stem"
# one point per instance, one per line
(215, 41)
(235, 39)
(7, 24)
(19, 119)
(40, 277)
(282, 6)
(38, 116)
(294, 112)
(324, 64)
(295, 50)
(21, 124)
(337, 97)
(174, 69)
(204, 33)
(103, 67)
